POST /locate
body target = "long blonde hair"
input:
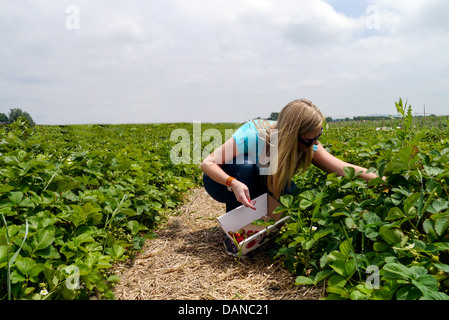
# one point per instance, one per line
(298, 117)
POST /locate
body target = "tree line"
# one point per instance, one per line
(275, 115)
(15, 113)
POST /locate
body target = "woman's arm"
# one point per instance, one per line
(211, 166)
(328, 163)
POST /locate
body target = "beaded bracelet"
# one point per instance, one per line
(228, 182)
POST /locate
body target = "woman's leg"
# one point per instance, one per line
(293, 188)
(246, 173)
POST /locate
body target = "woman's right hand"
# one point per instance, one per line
(241, 193)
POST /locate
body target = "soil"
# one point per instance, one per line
(187, 262)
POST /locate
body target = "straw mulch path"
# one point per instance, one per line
(187, 261)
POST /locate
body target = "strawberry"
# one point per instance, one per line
(252, 243)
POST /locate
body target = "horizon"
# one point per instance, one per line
(348, 118)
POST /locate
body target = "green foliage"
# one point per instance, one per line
(342, 228)
(82, 197)
(405, 111)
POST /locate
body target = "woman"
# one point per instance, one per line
(234, 172)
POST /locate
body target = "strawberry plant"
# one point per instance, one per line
(342, 228)
(76, 199)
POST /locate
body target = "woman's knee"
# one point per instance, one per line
(214, 189)
(290, 189)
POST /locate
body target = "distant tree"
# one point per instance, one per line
(16, 113)
(274, 116)
(3, 118)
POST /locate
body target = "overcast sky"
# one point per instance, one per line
(136, 61)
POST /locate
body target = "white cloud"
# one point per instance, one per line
(176, 60)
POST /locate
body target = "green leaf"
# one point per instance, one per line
(345, 248)
(391, 236)
(42, 220)
(287, 200)
(434, 295)
(438, 206)
(408, 292)
(42, 239)
(15, 197)
(433, 171)
(320, 276)
(349, 172)
(442, 267)
(426, 284)
(336, 281)
(381, 246)
(403, 160)
(350, 268)
(357, 295)
(350, 223)
(303, 280)
(309, 195)
(116, 252)
(304, 204)
(340, 267)
(371, 233)
(114, 278)
(49, 253)
(135, 227)
(428, 226)
(395, 271)
(375, 182)
(16, 277)
(279, 209)
(395, 213)
(336, 256)
(28, 267)
(441, 246)
(321, 233)
(307, 244)
(5, 188)
(371, 218)
(410, 202)
(348, 199)
(441, 225)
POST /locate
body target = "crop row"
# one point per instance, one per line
(76, 199)
(375, 240)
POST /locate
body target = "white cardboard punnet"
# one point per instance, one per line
(243, 217)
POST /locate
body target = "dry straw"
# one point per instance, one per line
(187, 261)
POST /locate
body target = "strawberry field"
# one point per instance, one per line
(74, 200)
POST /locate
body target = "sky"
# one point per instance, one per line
(158, 61)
